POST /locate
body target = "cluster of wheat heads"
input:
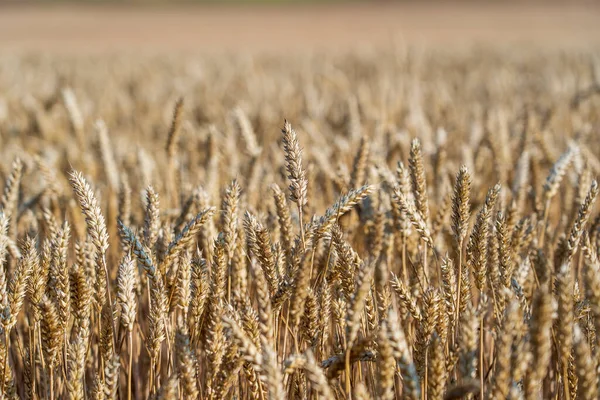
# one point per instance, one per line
(423, 227)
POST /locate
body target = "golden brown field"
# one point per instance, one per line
(389, 221)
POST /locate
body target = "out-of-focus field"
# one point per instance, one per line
(94, 29)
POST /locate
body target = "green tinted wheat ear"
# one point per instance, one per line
(343, 205)
(187, 235)
(138, 250)
(158, 296)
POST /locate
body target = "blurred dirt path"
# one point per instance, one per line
(100, 29)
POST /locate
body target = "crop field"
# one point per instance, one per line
(393, 221)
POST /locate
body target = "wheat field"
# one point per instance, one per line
(377, 224)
